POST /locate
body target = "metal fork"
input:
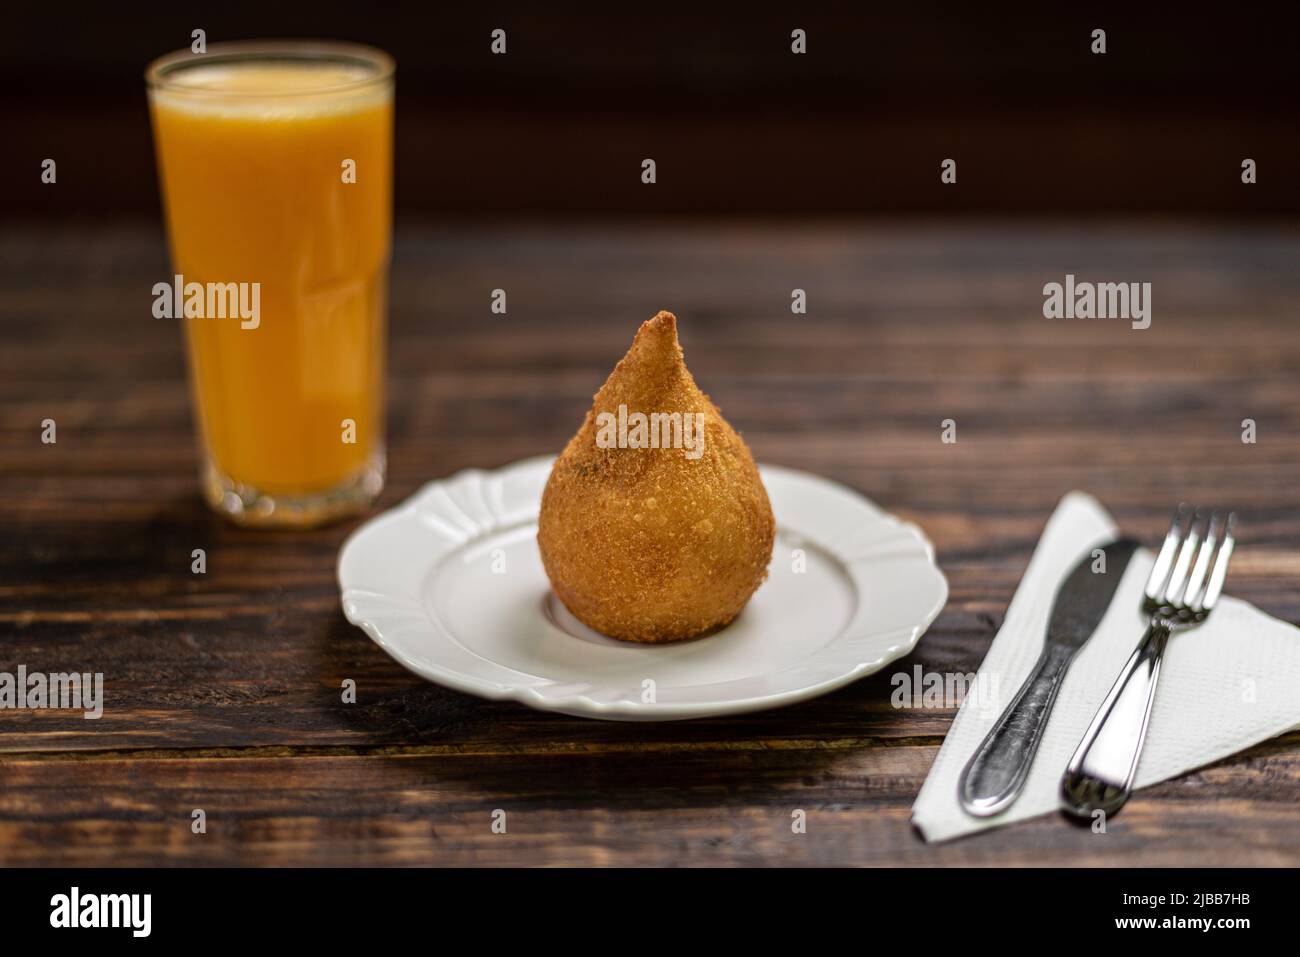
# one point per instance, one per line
(1184, 586)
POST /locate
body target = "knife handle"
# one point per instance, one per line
(993, 777)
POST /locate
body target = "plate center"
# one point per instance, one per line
(494, 599)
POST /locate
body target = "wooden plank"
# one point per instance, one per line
(624, 804)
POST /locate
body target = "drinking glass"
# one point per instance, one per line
(275, 160)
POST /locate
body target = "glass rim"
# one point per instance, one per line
(158, 72)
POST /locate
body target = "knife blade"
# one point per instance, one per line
(992, 779)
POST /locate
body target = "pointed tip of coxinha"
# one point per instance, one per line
(663, 324)
(652, 371)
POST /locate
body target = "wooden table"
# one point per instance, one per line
(223, 690)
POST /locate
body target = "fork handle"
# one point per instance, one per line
(1100, 775)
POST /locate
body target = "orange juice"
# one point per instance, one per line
(276, 168)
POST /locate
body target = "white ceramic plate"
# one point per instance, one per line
(450, 583)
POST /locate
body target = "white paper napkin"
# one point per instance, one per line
(1224, 686)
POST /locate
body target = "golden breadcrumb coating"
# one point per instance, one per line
(648, 544)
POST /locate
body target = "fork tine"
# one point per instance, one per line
(1183, 564)
(1165, 560)
(1214, 587)
(1195, 588)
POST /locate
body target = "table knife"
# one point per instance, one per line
(993, 777)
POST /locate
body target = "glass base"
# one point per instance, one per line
(245, 505)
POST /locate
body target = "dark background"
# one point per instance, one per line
(736, 122)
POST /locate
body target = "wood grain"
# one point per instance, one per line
(223, 689)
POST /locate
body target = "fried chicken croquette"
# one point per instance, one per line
(651, 532)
